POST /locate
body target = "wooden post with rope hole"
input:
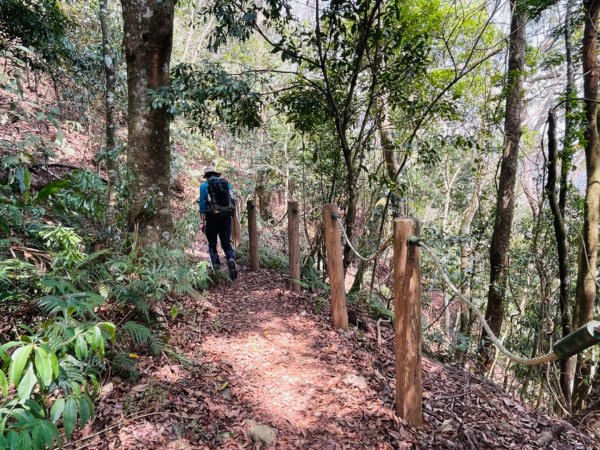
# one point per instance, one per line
(252, 235)
(294, 245)
(407, 322)
(335, 266)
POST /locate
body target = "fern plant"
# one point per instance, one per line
(141, 335)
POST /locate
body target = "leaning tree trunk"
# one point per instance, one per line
(586, 272)
(148, 27)
(500, 243)
(110, 73)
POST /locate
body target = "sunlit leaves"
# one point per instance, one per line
(19, 360)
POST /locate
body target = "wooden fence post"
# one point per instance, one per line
(407, 322)
(294, 245)
(335, 267)
(252, 235)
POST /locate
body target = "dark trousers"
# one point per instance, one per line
(219, 227)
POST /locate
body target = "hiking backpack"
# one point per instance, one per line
(220, 198)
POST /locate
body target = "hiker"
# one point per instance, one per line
(217, 208)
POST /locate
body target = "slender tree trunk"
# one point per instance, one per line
(560, 232)
(500, 242)
(567, 366)
(109, 102)
(148, 26)
(352, 205)
(287, 187)
(263, 195)
(570, 93)
(529, 188)
(586, 272)
(391, 163)
(466, 263)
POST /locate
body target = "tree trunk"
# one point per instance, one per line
(391, 163)
(570, 94)
(586, 272)
(263, 195)
(560, 232)
(500, 242)
(109, 102)
(466, 264)
(148, 27)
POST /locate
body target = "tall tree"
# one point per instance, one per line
(500, 242)
(586, 272)
(148, 31)
(567, 366)
(110, 73)
(560, 233)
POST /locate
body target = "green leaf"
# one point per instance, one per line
(54, 361)
(27, 383)
(51, 434)
(110, 329)
(85, 411)
(25, 441)
(13, 440)
(57, 410)
(52, 188)
(70, 416)
(3, 384)
(43, 366)
(81, 348)
(37, 434)
(35, 408)
(19, 359)
(7, 346)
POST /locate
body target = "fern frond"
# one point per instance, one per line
(144, 336)
(139, 334)
(72, 303)
(125, 365)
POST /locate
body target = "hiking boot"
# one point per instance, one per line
(216, 267)
(232, 269)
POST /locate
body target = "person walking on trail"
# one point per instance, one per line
(217, 208)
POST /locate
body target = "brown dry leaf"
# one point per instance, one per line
(139, 388)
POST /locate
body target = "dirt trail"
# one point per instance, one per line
(256, 352)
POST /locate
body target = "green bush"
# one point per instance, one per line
(269, 258)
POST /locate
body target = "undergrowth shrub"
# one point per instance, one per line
(269, 257)
(68, 281)
(64, 283)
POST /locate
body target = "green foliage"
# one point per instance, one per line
(46, 379)
(37, 24)
(269, 257)
(67, 280)
(207, 95)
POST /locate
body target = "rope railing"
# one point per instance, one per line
(386, 243)
(278, 222)
(551, 356)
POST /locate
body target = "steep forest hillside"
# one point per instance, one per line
(411, 196)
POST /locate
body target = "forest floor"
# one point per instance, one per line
(260, 364)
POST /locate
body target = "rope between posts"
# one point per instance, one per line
(492, 337)
(375, 255)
